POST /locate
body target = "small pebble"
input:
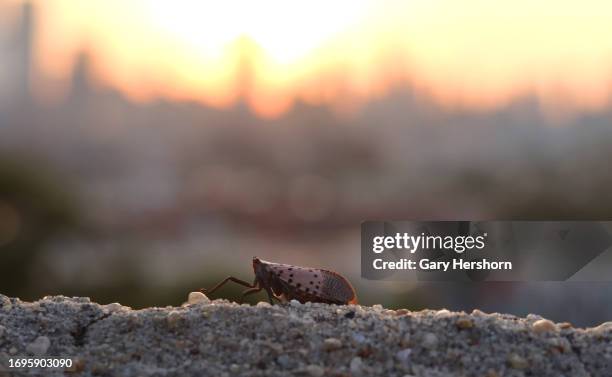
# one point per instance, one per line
(284, 361)
(133, 321)
(561, 344)
(114, 307)
(356, 365)
(315, 370)
(464, 323)
(331, 344)
(543, 325)
(173, 318)
(275, 347)
(517, 362)
(406, 340)
(39, 347)
(359, 338)
(234, 368)
(377, 308)
(402, 312)
(98, 368)
(295, 303)
(365, 352)
(78, 365)
(197, 298)
(430, 341)
(443, 313)
(13, 350)
(603, 327)
(263, 304)
(565, 325)
(2, 330)
(403, 355)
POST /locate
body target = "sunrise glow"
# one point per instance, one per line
(479, 54)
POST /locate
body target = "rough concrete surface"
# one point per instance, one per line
(219, 338)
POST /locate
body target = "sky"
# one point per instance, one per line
(479, 54)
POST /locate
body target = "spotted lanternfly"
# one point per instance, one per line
(285, 282)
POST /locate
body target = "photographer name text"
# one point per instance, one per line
(411, 244)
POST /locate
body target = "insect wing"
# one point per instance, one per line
(322, 284)
(336, 288)
(308, 280)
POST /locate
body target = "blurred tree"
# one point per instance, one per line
(34, 207)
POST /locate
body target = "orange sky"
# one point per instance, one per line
(476, 53)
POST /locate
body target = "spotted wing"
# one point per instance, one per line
(313, 284)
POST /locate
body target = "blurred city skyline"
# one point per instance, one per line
(271, 55)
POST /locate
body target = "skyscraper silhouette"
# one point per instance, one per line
(81, 78)
(23, 44)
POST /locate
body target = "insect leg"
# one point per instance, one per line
(229, 278)
(270, 295)
(250, 291)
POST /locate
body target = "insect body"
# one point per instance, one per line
(285, 282)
